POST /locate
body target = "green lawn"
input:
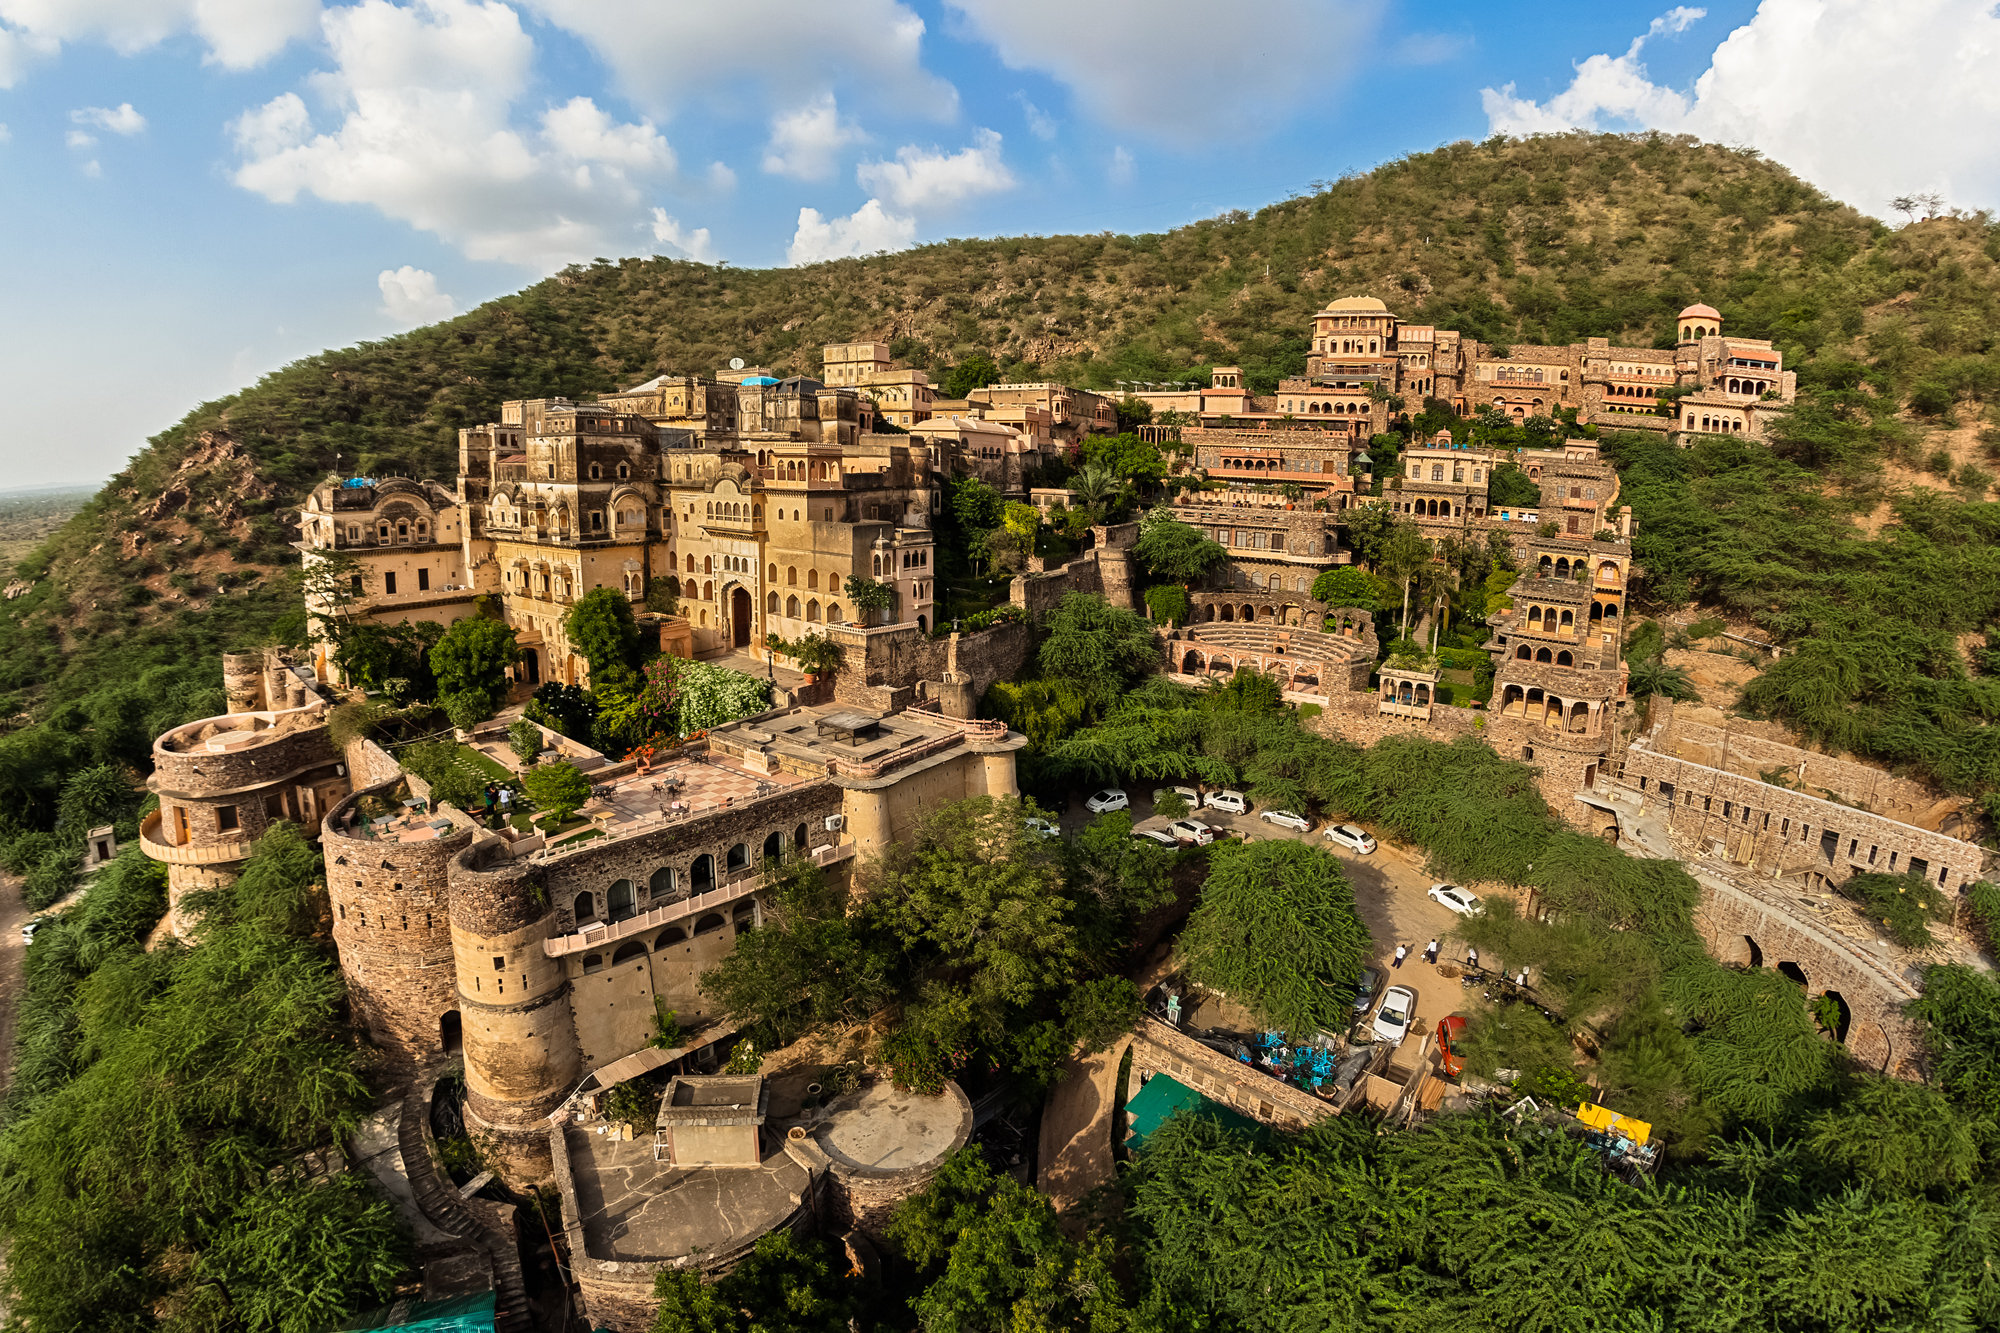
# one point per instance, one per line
(487, 769)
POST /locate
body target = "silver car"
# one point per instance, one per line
(1291, 819)
(1398, 1012)
(1107, 800)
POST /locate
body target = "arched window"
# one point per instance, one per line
(792, 607)
(812, 580)
(812, 611)
(662, 883)
(703, 873)
(771, 604)
(707, 565)
(586, 907)
(690, 568)
(791, 576)
(1564, 659)
(620, 900)
(593, 962)
(713, 921)
(739, 857)
(772, 576)
(629, 949)
(799, 838)
(671, 935)
(708, 592)
(833, 613)
(774, 847)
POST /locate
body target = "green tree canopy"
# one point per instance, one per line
(558, 789)
(1346, 586)
(975, 372)
(1276, 928)
(1175, 551)
(1095, 647)
(475, 654)
(1126, 456)
(600, 624)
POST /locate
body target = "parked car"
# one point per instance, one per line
(1229, 802)
(1192, 830)
(1456, 899)
(1188, 794)
(1047, 828)
(1111, 798)
(1159, 837)
(1393, 1019)
(1364, 990)
(1351, 836)
(1451, 1058)
(1286, 819)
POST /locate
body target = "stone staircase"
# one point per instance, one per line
(488, 1225)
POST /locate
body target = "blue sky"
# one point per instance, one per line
(198, 191)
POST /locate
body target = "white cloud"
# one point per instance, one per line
(238, 33)
(758, 53)
(1122, 167)
(806, 143)
(411, 296)
(426, 134)
(119, 120)
(868, 229)
(720, 178)
(1171, 69)
(1040, 123)
(93, 169)
(78, 139)
(695, 245)
(931, 180)
(1865, 100)
(5, 133)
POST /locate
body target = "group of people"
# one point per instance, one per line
(1431, 957)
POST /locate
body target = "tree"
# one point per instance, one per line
(601, 626)
(524, 738)
(475, 654)
(1276, 928)
(1096, 484)
(1368, 530)
(786, 1284)
(438, 764)
(1169, 604)
(1126, 456)
(975, 372)
(1175, 551)
(1133, 413)
(467, 708)
(1507, 487)
(557, 789)
(1346, 586)
(869, 596)
(1653, 676)
(568, 710)
(1404, 555)
(816, 654)
(1097, 648)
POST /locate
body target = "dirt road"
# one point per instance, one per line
(13, 960)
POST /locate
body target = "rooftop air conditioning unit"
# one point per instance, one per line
(834, 823)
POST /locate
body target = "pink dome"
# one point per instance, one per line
(1698, 311)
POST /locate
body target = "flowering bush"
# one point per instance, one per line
(680, 696)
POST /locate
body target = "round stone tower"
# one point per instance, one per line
(392, 925)
(521, 1053)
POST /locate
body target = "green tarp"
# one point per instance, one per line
(461, 1314)
(1162, 1096)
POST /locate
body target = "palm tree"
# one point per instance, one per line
(1096, 484)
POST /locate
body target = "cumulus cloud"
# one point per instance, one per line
(758, 52)
(933, 179)
(695, 244)
(1175, 75)
(424, 97)
(78, 139)
(239, 34)
(121, 119)
(1855, 96)
(806, 143)
(1122, 168)
(92, 169)
(720, 178)
(863, 232)
(411, 296)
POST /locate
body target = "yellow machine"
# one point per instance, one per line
(1608, 1121)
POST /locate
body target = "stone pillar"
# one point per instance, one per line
(867, 819)
(521, 1054)
(1000, 774)
(243, 681)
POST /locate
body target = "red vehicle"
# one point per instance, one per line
(1450, 1030)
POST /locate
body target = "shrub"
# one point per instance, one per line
(558, 789)
(1904, 904)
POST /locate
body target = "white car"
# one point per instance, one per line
(1188, 794)
(1351, 836)
(1229, 802)
(1393, 1020)
(1455, 898)
(1286, 819)
(1158, 837)
(1192, 830)
(1047, 828)
(1108, 800)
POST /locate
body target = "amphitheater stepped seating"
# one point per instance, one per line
(1274, 641)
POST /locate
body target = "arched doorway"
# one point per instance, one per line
(451, 1032)
(533, 660)
(1795, 973)
(1843, 1016)
(739, 618)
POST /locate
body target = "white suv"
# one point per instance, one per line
(1229, 802)
(1192, 830)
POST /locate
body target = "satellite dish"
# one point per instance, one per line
(736, 363)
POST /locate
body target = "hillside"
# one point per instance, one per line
(1546, 240)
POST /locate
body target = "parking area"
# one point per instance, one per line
(1391, 893)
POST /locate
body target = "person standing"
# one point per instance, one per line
(1471, 957)
(1431, 954)
(1522, 980)
(1402, 952)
